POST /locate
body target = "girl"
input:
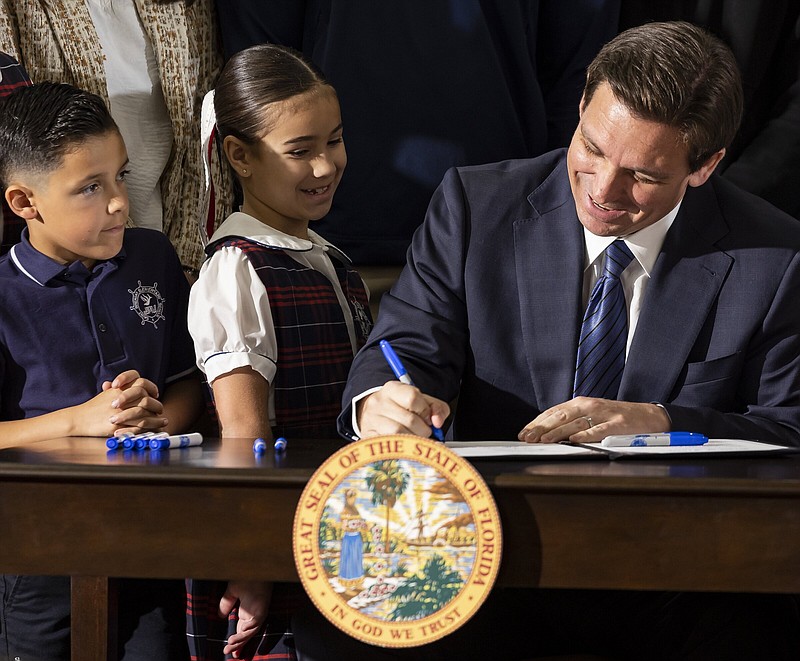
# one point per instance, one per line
(277, 313)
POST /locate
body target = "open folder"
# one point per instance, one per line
(722, 447)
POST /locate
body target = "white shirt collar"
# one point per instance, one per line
(645, 244)
(245, 225)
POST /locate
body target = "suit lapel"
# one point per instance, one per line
(549, 253)
(685, 283)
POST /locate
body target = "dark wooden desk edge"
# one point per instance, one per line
(646, 485)
(276, 478)
(503, 481)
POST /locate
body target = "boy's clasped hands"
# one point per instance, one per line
(129, 403)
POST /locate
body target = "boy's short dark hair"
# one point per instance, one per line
(40, 124)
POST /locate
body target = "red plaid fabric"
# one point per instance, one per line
(207, 632)
(314, 350)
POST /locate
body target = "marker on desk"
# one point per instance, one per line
(142, 442)
(114, 442)
(138, 441)
(259, 446)
(176, 441)
(402, 375)
(126, 441)
(666, 438)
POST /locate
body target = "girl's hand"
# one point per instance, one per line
(253, 598)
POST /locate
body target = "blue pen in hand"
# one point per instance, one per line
(402, 375)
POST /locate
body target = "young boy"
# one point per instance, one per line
(93, 338)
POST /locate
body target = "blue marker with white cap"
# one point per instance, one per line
(662, 439)
(142, 441)
(113, 443)
(130, 441)
(167, 442)
(400, 372)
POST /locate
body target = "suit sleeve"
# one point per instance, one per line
(768, 389)
(424, 315)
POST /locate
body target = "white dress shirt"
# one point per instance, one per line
(645, 246)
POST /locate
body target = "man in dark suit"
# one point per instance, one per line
(490, 309)
(489, 306)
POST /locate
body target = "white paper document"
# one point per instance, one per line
(518, 449)
(515, 449)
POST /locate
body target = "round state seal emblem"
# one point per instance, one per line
(397, 540)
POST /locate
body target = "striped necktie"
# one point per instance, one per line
(604, 332)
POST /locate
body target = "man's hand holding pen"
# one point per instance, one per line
(398, 408)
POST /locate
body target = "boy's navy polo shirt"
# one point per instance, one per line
(64, 330)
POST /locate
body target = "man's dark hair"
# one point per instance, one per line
(40, 124)
(678, 74)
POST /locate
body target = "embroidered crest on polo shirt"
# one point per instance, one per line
(148, 303)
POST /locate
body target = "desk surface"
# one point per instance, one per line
(218, 511)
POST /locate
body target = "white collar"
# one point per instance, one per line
(645, 244)
(245, 225)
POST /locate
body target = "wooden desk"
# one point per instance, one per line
(70, 508)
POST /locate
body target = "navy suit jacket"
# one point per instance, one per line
(489, 307)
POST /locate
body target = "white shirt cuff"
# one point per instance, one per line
(354, 408)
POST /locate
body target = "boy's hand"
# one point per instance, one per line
(131, 378)
(253, 598)
(97, 416)
(136, 404)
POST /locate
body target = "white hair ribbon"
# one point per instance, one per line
(208, 131)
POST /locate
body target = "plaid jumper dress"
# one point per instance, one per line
(314, 357)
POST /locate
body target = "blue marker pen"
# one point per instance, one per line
(280, 444)
(663, 439)
(402, 375)
(143, 442)
(114, 442)
(137, 441)
(176, 441)
(118, 442)
(259, 446)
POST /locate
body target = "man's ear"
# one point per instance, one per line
(582, 104)
(238, 155)
(20, 200)
(700, 176)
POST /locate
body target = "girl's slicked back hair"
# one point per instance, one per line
(255, 78)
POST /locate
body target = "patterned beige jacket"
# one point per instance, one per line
(56, 40)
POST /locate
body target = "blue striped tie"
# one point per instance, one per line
(604, 333)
